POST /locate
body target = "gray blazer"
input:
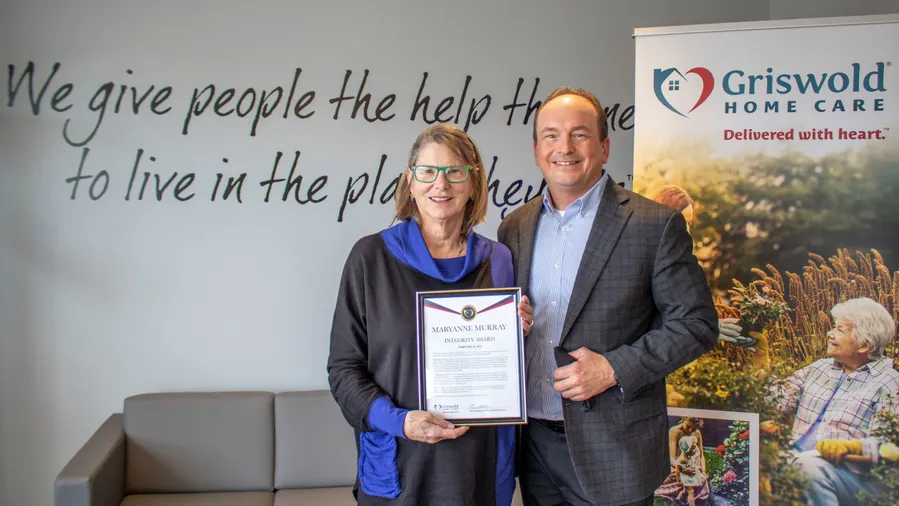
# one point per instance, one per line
(641, 299)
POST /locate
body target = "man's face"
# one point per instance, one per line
(568, 149)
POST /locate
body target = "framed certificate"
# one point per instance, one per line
(471, 356)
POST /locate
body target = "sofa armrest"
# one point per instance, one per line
(95, 476)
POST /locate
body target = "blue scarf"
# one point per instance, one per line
(405, 242)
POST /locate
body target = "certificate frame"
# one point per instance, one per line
(485, 298)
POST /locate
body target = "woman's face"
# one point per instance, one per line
(688, 215)
(440, 200)
(841, 344)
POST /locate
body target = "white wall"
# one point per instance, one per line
(104, 299)
(793, 9)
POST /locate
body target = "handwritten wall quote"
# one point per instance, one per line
(284, 180)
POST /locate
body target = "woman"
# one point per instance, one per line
(842, 404)
(674, 196)
(407, 456)
(728, 329)
(688, 481)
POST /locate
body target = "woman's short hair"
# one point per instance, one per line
(463, 147)
(672, 196)
(871, 324)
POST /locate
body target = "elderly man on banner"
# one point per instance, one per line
(836, 400)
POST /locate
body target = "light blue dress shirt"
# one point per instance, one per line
(558, 248)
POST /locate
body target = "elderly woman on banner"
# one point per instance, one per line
(836, 399)
(408, 456)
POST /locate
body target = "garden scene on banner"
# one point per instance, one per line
(786, 166)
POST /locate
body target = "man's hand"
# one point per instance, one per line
(833, 450)
(427, 427)
(526, 313)
(589, 376)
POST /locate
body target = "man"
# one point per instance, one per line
(617, 292)
(836, 399)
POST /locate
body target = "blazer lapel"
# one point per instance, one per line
(607, 226)
(527, 231)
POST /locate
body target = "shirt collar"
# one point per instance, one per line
(875, 367)
(880, 365)
(585, 203)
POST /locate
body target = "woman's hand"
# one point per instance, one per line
(769, 426)
(729, 332)
(526, 312)
(426, 427)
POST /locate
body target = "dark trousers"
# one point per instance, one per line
(547, 477)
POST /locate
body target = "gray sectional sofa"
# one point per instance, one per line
(216, 449)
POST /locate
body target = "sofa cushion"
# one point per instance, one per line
(339, 496)
(199, 442)
(314, 446)
(210, 499)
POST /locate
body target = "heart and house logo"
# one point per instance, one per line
(667, 83)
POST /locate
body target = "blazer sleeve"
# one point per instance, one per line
(351, 384)
(689, 322)
(502, 230)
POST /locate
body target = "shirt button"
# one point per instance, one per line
(554, 303)
(557, 265)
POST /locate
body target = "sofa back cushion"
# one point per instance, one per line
(314, 445)
(199, 442)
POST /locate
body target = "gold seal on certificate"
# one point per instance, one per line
(471, 356)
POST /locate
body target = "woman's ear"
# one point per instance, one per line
(865, 347)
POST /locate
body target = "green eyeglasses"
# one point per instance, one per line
(429, 173)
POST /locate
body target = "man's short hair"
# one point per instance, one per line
(601, 118)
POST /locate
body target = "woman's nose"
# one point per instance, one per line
(441, 180)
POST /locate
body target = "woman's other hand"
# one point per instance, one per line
(526, 312)
(426, 427)
(729, 331)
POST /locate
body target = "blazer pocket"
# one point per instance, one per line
(641, 408)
